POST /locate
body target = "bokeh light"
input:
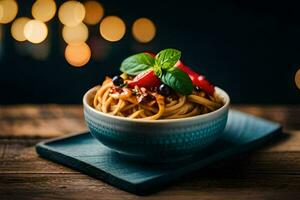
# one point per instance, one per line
(1, 12)
(17, 28)
(143, 30)
(93, 12)
(71, 13)
(35, 31)
(112, 28)
(8, 11)
(75, 34)
(297, 79)
(78, 54)
(43, 10)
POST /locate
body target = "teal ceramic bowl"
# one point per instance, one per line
(156, 140)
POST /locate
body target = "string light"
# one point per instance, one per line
(71, 13)
(17, 28)
(78, 54)
(8, 11)
(143, 30)
(297, 79)
(93, 12)
(112, 28)
(75, 34)
(35, 31)
(43, 10)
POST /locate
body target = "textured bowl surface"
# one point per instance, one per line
(156, 140)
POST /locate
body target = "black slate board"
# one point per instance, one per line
(84, 153)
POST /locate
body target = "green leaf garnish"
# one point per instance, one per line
(157, 70)
(167, 58)
(137, 63)
(163, 67)
(178, 81)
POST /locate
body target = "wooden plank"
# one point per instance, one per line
(288, 116)
(195, 186)
(19, 156)
(40, 120)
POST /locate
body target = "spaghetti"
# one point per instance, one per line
(141, 103)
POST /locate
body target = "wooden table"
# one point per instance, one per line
(272, 172)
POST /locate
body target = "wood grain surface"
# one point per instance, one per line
(40, 120)
(272, 172)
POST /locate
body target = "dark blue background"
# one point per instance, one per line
(251, 49)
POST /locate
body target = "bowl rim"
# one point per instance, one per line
(197, 117)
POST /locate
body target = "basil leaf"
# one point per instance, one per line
(157, 70)
(137, 64)
(178, 80)
(167, 58)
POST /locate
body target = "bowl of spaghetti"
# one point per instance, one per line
(160, 112)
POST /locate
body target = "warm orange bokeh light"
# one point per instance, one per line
(17, 28)
(297, 79)
(93, 12)
(78, 54)
(35, 31)
(8, 11)
(112, 28)
(43, 10)
(71, 13)
(143, 30)
(1, 12)
(75, 34)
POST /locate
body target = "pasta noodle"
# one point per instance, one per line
(123, 101)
